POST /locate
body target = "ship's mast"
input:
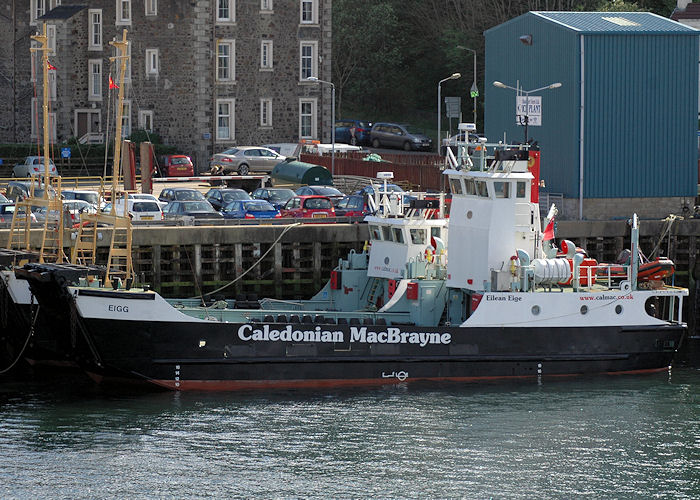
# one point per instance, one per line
(121, 46)
(44, 49)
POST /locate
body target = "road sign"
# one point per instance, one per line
(453, 106)
(534, 110)
(65, 152)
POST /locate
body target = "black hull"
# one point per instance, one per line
(168, 355)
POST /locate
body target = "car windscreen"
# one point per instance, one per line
(327, 191)
(258, 206)
(188, 195)
(317, 203)
(180, 161)
(234, 195)
(89, 197)
(281, 195)
(197, 206)
(145, 206)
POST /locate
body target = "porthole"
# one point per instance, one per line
(584, 309)
(469, 214)
(535, 310)
(618, 309)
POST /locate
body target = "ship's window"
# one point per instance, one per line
(502, 189)
(375, 232)
(618, 309)
(535, 310)
(386, 233)
(584, 309)
(456, 186)
(482, 189)
(521, 190)
(418, 236)
(471, 187)
(398, 235)
(434, 232)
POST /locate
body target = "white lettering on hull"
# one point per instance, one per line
(361, 335)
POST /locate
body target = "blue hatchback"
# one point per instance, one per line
(344, 132)
(250, 209)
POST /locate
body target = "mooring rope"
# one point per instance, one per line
(26, 342)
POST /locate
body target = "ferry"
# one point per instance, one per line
(480, 295)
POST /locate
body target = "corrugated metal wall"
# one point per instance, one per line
(640, 115)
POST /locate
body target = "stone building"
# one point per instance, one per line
(203, 74)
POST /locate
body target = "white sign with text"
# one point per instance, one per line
(530, 106)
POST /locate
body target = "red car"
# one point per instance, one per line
(176, 166)
(312, 206)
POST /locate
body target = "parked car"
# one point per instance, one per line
(250, 209)
(354, 205)
(277, 197)
(355, 132)
(308, 206)
(7, 212)
(33, 165)
(19, 190)
(461, 137)
(245, 159)
(221, 197)
(73, 210)
(180, 194)
(140, 210)
(398, 135)
(147, 197)
(331, 192)
(92, 197)
(198, 209)
(3, 199)
(175, 166)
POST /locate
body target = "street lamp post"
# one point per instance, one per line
(474, 90)
(527, 93)
(453, 76)
(316, 80)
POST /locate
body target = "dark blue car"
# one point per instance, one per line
(344, 132)
(250, 209)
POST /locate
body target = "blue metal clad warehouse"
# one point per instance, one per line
(623, 123)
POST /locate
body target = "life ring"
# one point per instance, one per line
(429, 255)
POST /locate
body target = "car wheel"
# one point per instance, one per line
(406, 146)
(375, 143)
(243, 169)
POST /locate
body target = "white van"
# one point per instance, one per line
(141, 210)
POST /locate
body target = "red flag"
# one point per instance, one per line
(51, 66)
(549, 231)
(112, 85)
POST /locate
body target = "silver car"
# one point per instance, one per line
(245, 159)
(396, 135)
(33, 165)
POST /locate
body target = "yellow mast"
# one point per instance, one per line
(121, 46)
(20, 231)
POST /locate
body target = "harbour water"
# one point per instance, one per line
(593, 437)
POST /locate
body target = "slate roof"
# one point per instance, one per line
(62, 12)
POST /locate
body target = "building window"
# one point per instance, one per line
(225, 115)
(151, 7)
(266, 5)
(309, 12)
(38, 8)
(307, 118)
(95, 28)
(266, 54)
(225, 11)
(123, 12)
(95, 81)
(51, 38)
(225, 60)
(152, 61)
(126, 118)
(146, 119)
(308, 62)
(266, 112)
